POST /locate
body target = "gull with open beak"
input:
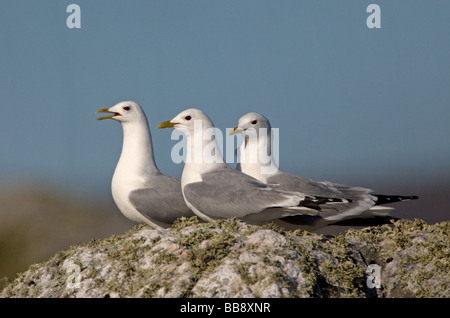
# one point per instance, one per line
(141, 192)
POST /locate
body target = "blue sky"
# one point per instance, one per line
(353, 104)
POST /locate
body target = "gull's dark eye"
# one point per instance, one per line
(188, 117)
(254, 122)
(127, 108)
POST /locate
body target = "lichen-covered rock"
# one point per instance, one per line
(414, 257)
(228, 258)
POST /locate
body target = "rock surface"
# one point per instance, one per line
(228, 258)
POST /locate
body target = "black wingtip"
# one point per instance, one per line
(386, 199)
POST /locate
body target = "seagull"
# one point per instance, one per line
(341, 204)
(214, 190)
(141, 192)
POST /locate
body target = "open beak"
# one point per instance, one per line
(234, 131)
(166, 124)
(106, 110)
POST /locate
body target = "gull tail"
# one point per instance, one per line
(386, 199)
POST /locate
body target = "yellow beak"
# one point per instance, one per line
(166, 124)
(234, 131)
(106, 110)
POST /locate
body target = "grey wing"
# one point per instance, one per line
(310, 187)
(356, 200)
(229, 193)
(162, 202)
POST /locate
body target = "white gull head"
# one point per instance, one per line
(259, 152)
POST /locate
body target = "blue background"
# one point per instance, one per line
(367, 107)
